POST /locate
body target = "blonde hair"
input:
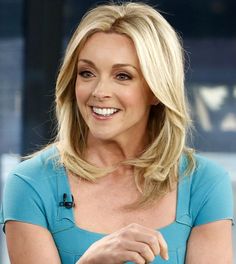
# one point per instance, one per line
(161, 60)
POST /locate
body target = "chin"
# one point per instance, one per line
(102, 136)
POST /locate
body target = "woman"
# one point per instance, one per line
(119, 184)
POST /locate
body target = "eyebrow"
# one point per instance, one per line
(118, 65)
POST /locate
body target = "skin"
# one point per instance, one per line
(113, 81)
(211, 243)
(102, 84)
(29, 243)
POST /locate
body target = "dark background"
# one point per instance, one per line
(33, 36)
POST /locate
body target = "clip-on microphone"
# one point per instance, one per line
(65, 204)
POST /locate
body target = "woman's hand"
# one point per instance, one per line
(134, 243)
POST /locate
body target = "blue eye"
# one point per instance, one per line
(86, 74)
(123, 77)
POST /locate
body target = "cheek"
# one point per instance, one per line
(77, 94)
(80, 93)
(81, 99)
(148, 96)
(130, 96)
(137, 99)
(138, 95)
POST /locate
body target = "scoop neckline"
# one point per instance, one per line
(83, 230)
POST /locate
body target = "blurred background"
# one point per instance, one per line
(33, 37)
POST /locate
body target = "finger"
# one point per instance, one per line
(150, 240)
(143, 234)
(160, 246)
(134, 257)
(142, 248)
(163, 246)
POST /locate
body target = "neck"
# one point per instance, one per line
(105, 153)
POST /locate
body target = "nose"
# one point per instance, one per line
(102, 90)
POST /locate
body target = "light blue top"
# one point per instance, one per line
(36, 186)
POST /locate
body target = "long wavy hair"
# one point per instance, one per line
(161, 60)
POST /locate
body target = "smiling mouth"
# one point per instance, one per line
(104, 111)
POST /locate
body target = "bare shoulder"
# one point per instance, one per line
(211, 243)
(28, 243)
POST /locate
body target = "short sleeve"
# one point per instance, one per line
(22, 202)
(217, 203)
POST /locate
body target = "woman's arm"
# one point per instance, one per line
(28, 243)
(211, 243)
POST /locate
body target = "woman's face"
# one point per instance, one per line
(111, 93)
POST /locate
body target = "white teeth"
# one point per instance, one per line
(104, 111)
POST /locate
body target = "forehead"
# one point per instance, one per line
(112, 46)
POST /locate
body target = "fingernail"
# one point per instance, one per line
(166, 256)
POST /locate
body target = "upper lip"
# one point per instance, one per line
(99, 106)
